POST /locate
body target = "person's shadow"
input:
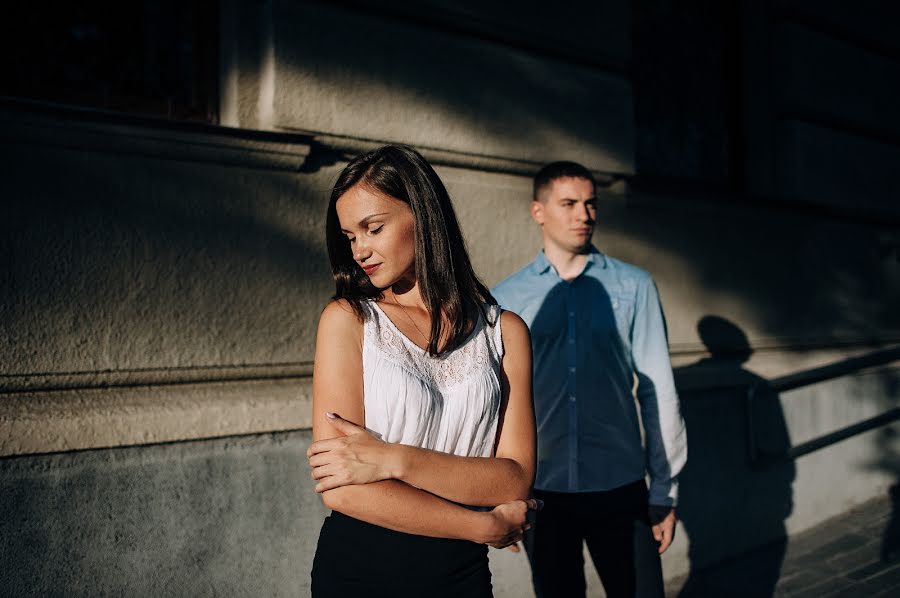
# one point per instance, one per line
(733, 512)
(890, 461)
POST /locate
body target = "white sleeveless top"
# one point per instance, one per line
(449, 403)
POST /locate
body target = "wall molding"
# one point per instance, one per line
(51, 420)
(345, 148)
(43, 382)
(43, 124)
(99, 379)
(81, 419)
(50, 125)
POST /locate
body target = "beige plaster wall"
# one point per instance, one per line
(162, 283)
(349, 75)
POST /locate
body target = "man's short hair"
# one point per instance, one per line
(560, 170)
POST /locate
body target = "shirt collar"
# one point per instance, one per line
(541, 264)
(597, 258)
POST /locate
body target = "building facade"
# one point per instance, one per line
(162, 277)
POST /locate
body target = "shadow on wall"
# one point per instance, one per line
(128, 263)
(727, 507)
(376, 77)
(733, 507)
(887, 442)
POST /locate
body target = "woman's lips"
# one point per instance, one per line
(370, 269)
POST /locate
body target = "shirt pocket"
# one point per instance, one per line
(622, 303)
(611, 312)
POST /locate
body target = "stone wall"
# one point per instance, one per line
(161, 282)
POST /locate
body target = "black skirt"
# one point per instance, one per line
(355, 558)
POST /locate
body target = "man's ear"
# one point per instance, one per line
(537, 212)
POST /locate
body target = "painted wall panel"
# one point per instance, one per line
(128, 262)
(871, 22)
(834, 82)
(823, 166)
(589, 31)
(375, 78)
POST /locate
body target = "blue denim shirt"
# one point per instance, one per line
(593, 338)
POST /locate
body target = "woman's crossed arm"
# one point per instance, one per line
(406, 488)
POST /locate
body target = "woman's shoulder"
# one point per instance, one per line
(339, 316)
(514, 329)
(510, 319)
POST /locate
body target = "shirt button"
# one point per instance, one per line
(571, 314)
(571, 398)
(572, 370)
(571, 341)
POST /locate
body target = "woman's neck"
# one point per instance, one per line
(408, 295)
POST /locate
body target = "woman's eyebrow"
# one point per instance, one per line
(365, 221)
(371, 217)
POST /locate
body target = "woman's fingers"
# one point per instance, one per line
(323, 471)
(342, 425)
(328, 458)
(344, 468)
(318, 460)
(323, 446)
(329, 482)
(510, 543)
(512, 539)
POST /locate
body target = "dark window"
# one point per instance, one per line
(143, 57)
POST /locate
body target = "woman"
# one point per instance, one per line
(415, 349)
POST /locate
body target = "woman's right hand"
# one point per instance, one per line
(507, 523)
(357, 457)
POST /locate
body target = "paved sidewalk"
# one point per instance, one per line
(854, 555)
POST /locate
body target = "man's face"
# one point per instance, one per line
(566, 211)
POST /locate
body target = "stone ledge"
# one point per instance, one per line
(48, 125)
(84, 380)
(347, 147)
(69, 420)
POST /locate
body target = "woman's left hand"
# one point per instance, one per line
(358, 457)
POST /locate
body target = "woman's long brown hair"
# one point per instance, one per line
(452, 292)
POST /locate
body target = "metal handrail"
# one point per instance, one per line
(804, 378)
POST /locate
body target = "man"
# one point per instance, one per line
(597, 330)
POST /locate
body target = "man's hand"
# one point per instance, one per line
(358, 457)
(664, 531)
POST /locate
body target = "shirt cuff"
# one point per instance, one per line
(663, 493)
(658, 512)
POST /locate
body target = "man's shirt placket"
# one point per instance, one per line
(571, 357)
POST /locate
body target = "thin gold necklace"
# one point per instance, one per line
(413, 322)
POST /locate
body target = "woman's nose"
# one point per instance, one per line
(361, 253)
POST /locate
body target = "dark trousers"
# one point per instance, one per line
(615, 526)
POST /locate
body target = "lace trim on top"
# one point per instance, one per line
(447, 370)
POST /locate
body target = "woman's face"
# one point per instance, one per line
(381, 231)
